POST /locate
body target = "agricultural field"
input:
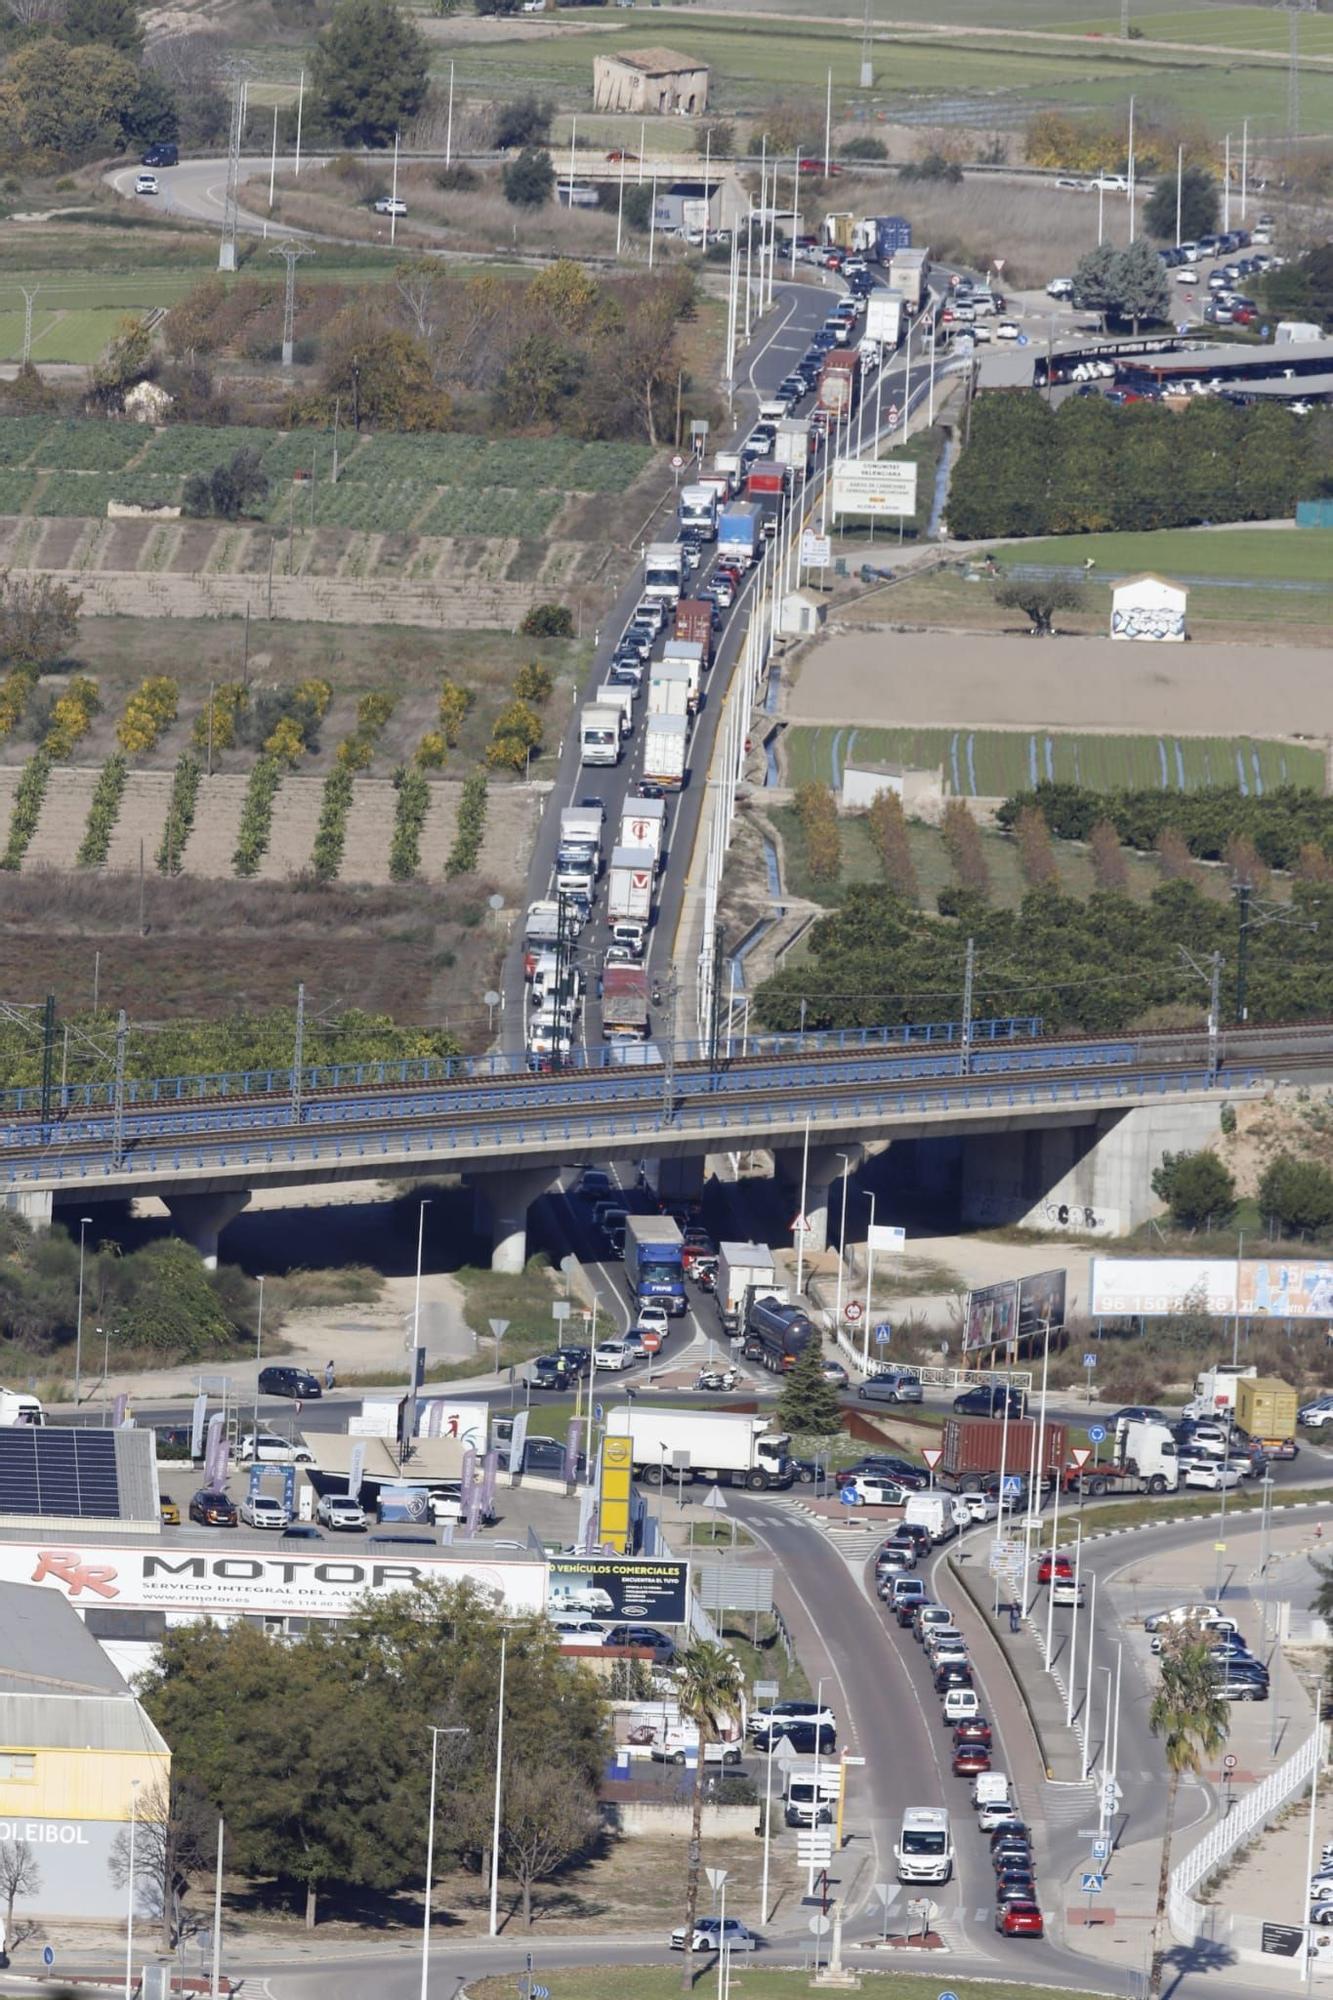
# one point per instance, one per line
(993, 763)
(444, 485)
(59, 335)
(1301, 555)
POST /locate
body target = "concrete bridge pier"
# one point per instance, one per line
(823, 1171)
(34, 1205)
(201, 1219)
(1095, 1178)
(508, 1197)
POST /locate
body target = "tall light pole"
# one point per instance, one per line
(435, 1735)
(495, 1822)
(801, 1218)
(870, 1281)
(416, 1300)
(129, 1913)
(84, 1221)
(842, 1241)
(1087, 1694)
(1073, 1626)
(259, 1348)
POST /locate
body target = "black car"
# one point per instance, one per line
(297, 1383)
(1013, 1829)
(1135, 1413)
(881, 1465)
(952, 1675)
(987, 1402)
(577, 1360)
(162, 154)
(212, 1510)
(807, 1739)
(550, 1372)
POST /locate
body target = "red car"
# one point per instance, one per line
(969, 1759)
(1019, 1920)
(975, 1729)
(1057, 1565)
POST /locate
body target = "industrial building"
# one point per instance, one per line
(78, 1758)
(650, 83)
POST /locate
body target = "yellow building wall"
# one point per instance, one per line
(82, 1784)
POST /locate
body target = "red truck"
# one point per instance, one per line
(694, 624)
(765, 477)
(839, 379)
(974, 1446)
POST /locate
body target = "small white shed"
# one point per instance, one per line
(801, 614)
(1148, 607)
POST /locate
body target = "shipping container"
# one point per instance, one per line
(765, 477)
(1266, 1408)
(892, 232)
(643, 824)
(665, 740)
(694, 623)
(909, 272)
(838, 379)
(973, 1447)
(624, 1003)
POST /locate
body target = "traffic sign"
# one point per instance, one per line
(848, 1495)
(48, 1955)
(1013, 1484)
(1080, 1456)
(800, 1225)
(821, 1924)
(650, 1341)
(948, 1996)
(1229, 1761)
(1101, 1848)
(677, 460)
(767, 1691)
(1110, 1793)
(883, 1332)
(932, 1455)
(814, 1844)
(598, 1412)
(1097, 1432)
(539, 1993)
(1093, 1884)
(853, 1310)
(1089, 1361)
(893, 413)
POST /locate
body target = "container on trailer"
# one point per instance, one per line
(1266, 1408)
(624, 1003)
(766, 477)
(909, 271)
(975, 1449)
(892, 233)
(838, 379)
(630, 885)
(694, 625)
(665, 741)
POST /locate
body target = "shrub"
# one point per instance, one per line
(408, 820)
(454, 705)
(1035, 854)
(432, 751)
(215, 727)
(304, 706)
(149, 710)
(103, 812)
(864, 149)
(515, 737)
(548, 621)
(240, 486)
(1297, 1194)
(962, 841)
(373, 711)
(888, 828)
(1197, 1188)
(470, 828)
(27, 809)
(72, 715)
(1108, 858)
(15, 690)
(180, 816)
(257, 816)
(286, 745)
(331, 833)
(355, 753)
(529, 181)
(534, 682)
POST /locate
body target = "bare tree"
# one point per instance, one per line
(175, 1832)
(19, 1876)
(420, 286)
(549, 1817)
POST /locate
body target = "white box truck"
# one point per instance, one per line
(611, 694)
(599, 735)
(630, 884)
(884, 319)
(662, 571)
(696, 510)
(670, 686)
(643, 824)
(714, 1447)
(687, 653)
(938, 1513)
(666, 739)
(745, 1272)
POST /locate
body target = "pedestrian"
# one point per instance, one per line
(328, 1374)
(1013, 1618)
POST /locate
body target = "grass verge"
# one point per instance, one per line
(662, 1982)
(1139, 1513)
(1303, 555)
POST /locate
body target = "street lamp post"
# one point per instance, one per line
(129, 1911)
(1073, 1626)
(1087, 1693)
(259, 1348)
(842, 1241)
(84, 1221)
(870, 1281)
(1050, 1590)
(495, 1822)
(435, 1735)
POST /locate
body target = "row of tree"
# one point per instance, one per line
(1295, 1196)
(1281, 825)
(1108, 964)
(1089, 466)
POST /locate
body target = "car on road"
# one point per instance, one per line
(574, 1629)
(834, 1372)
(1060, 288)
(146, 184)
(891, 1385)
(644, 1638)
(1180, 1614)
(653, 1319)
(1321, 1910)
(790, 1711)
(340, 1510)
(1053, 1565)
(594, 1185)
(712, 1933)
(1008, 329)
(170, 1512)
(807, 1739)
(873, 1491)
(549, 1372)
(980, 1506)
(976, 1729)
(1315, 1415)
(969, 1759)
(390, 204)
(928, 1616)
(272, 1449)
(1213, 1477)
(960, 1704)
(212, 1509)
(1236, 1686)
(1136, 1413)
(264, 1510)
(884, 1466)
(615, 1355)
(1019, 1919)
(298, 1383)
(162, 153)
(989, 1402)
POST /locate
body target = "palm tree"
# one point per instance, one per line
(710, 1687)
(1193, 1722)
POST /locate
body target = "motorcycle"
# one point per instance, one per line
(722, 1379)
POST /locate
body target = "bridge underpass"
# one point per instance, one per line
(1027, 1150)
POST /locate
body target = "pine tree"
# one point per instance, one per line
(808, 1404)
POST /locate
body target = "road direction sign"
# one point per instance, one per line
(883, 1332)
(816, 550)
(932, 1455)
(1080, 1456)
(1097, 1432)
(849, 1496)
(853, 1310)
(1093, 1884)
(598, 1412)
(715, 1500)
(948, 1996)
(1101, 1848)
(813, 1845)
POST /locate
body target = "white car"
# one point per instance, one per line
(1181, 1614)
(339, 1510)
(1110, 183)
(653, 1319)
(146, 184)
(264, 1510)
(676, 1746)
(1185, 274)
(980, 1506)
(389, 204)
(1317, 1414)
(872, 1492)
(710, 1932)
(615, 1355)
(996, 1814)
(1214, 1477)
(1060, 288)
(961, 1704)
(273, 1450)
(1007, 329)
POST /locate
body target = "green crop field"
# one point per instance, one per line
(1301, 555)
(59, 335)
(451, 484)
(1219, 27)
(993, 763)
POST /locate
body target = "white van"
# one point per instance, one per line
(938, 1513)
(808, 1800)
(925, 1845)
(990, 1789)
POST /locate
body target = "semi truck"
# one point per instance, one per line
(694, 625)
(745, 1271)
(665, 740)
(766, 479)
(1266, 1408)
(662, 571)
(1143, 1460)
(909, 271)
(670, 688)
(791, 446)
(1217, 1388)
(581, 826)
(891, 234)
(630, 885)
(775, 1334)
(696, 510)
(719, 1448)
(654, 1265)
(624, 1004)
(643, 825)
(541, 931)
(687, 653)
(613, 694)
(739, 531)
(728, 464)
(884, 319)
(974, 1449)
(838, 379)
(17, 1408)
(599, 735)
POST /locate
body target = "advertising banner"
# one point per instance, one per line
(991, 1316)
(356, 1470)
(1041, 1299)
(878, 487)
(619, 1587)
(197, 1417)
(1255, 1288)
(404, 1503)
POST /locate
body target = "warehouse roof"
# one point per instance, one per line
(44, 1648)
(77, 1722)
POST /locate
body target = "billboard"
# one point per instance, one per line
(619, 1587)
(1254, 1287)
(1016, 1309)
(884, 488)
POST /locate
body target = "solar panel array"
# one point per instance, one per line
(59, 1471)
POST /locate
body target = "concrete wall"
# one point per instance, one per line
(1093, 1179)
(640, 1817)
